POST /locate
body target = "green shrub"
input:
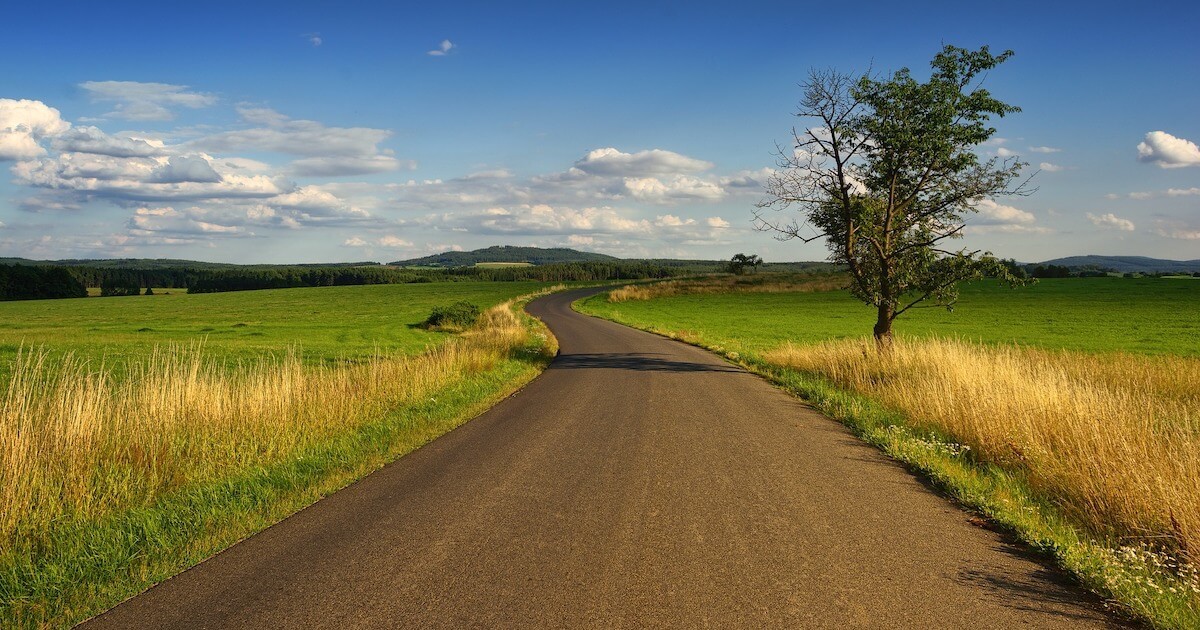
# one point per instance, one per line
(456, 316)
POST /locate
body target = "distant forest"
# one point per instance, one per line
(39, 281)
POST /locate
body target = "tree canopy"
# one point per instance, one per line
(887, 175)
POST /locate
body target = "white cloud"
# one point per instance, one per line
(181, 168)
(190, 224)
(142, 179)
(610, 161)
(355, 241)
(1050, 168)
(1005, 152)
(314, 39)
(754, 181)
(89, 139)
(1178, 230)
(993, 217)
(145, 101)
(716, 222)
(23, 124)
(1044, 149)
(1111, 221)
(1183, 192)
(443, 49)
(1141, 195)
(992, 213)
(324, 151)
(1168, 151)
(337, 166)
(677, 187)
(393, 241)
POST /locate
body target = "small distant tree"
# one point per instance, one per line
(740, 261)
(149, 291)
(119, 286)
(887, 174)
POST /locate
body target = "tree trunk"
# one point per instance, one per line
(883, 328)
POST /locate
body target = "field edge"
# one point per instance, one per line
(1131, 585)
(92, 567)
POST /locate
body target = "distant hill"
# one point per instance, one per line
(1125, 264)
(506, 254)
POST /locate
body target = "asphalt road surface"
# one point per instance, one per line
(638, 482)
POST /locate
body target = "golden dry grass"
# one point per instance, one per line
(75, 443)
(761, 283)
(1114, 440)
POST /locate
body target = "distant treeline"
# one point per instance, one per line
(20, 282)
(213, 281)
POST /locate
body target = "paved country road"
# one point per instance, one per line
(637, 482)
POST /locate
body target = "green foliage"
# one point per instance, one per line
(888, 173)
(19, 282)
(740, 261)
(120, 286)
(458, 316)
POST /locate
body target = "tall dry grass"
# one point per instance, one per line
(759, 283)
(1114, 440)
(76, 443)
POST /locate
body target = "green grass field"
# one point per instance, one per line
(1141, 315)
(1107, 493)
(87, 518)
(325, 323)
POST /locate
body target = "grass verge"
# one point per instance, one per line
(1143, 575)
(111, 488)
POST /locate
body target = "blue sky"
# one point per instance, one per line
(309, 132)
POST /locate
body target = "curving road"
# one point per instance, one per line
(637, 482)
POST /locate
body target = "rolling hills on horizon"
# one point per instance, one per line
(543, 256)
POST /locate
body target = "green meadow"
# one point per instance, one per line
(1140, 315)
(156, 461)
(324, 323)
(1065, 412)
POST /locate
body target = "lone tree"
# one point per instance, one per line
(739, 262)
(887, 174)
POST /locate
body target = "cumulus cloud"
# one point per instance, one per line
(1005, 152)
(1183, 192)
(1173, 228)
(610, 161)
(1044, 149)
(442, 50)
(23, 124)
(1050, 168)
(89, 139)
(1111, 221)
(189, 225)
(675, 188)
(135, 100)
(1168, 151)
(993, 217)
(990, 212)
(181, 168)
(324, 151)
(142, 179)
